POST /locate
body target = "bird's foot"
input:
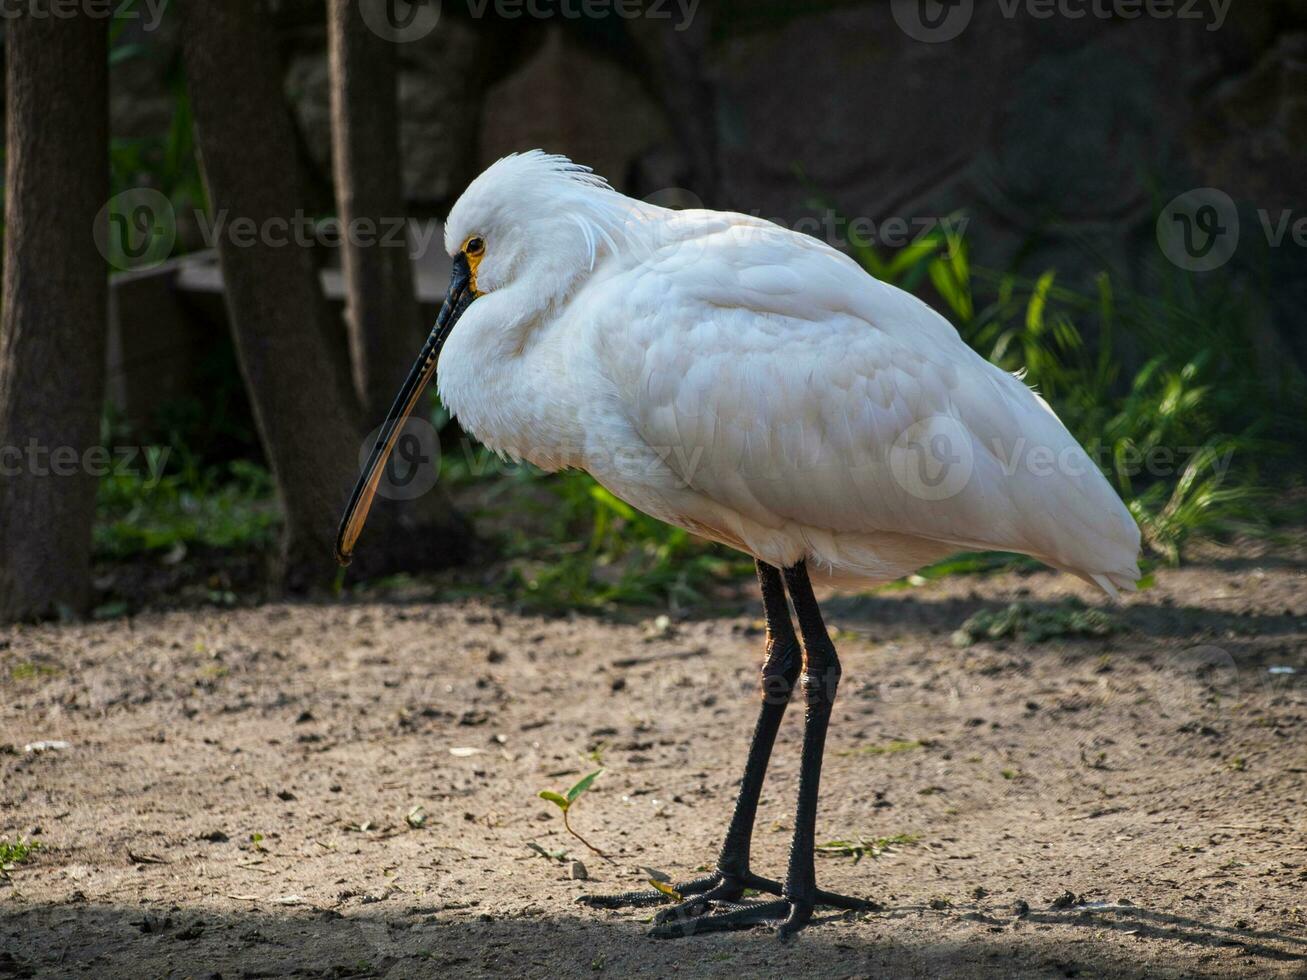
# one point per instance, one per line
(713, 904)
(717, 885)
(700, 916)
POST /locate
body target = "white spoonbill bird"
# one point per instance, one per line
(754, 386)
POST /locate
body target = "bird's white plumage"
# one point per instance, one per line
(757, 387)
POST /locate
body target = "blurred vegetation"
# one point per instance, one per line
(1185, 439)
(1193, 440)
(1164, 390)
(165, 161)
(586, 549)
(1020, 621)
(190, 505)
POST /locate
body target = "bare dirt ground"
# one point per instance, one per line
(234, 794)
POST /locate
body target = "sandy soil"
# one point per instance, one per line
(234, 796)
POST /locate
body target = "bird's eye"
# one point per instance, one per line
(474, 247)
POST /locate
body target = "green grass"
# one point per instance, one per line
(232, 506)
(30, 671)
(14, 853)
(1185, 437)
(888, 748)
(1022, 622)
(586, 549)
(860, 847)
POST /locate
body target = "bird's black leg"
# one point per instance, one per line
(799, 895)
(821, 679)
(780, 671)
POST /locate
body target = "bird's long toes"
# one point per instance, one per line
(699, 905)
(624, 900)
(724, 916)
(643, 899)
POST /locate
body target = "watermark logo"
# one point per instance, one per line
(936, 21)
(411, 20)
(136, 229)
(933, 21)
(36, 459)
(1196, 682)
(1199, 230)
(302, 230)
(933, 459)
(414, 464)
(148, 12)
(400, 21)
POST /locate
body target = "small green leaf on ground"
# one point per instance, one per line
(886, 748)
(544, 852)
(31, 671)
(558, 799)
(861, 847)
(14, 853)
(564, 803)
(582, 785)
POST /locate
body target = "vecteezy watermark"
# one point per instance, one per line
(149, 12)
(137, 230)
(35, 459)
(400, 21)
(933, 459)
(403, 21)
(303, 230)
(414, 464)
(937, 21)
(644, 231)
(1200, 230)
(682, 11)
(933, 21)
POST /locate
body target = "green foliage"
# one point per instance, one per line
(14, 853)
(28, 671)
(564, 801)
(165, 161)
(229, 506)
(860, 847)
(1182, 436)
(589, 550)
(1022, 622)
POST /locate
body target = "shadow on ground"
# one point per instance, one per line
(82, 939)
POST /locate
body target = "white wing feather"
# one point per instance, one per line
(772, 379)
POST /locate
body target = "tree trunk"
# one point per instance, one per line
(385, 328)
(304, 405)
(53, 331)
